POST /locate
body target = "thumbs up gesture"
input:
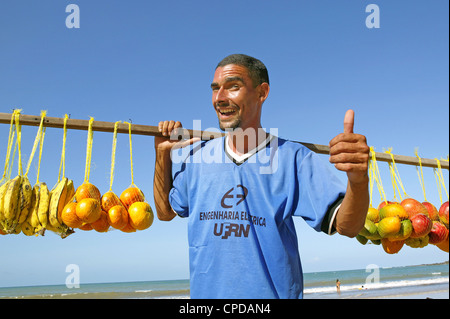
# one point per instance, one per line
(349, 151)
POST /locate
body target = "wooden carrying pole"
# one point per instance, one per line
(32, 120)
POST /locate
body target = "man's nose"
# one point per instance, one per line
(219, 97)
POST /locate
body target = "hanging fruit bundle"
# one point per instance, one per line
(83, 209)
(139, 210)
(20, 206)
(89, 210)
(34, 209)
(410, 222)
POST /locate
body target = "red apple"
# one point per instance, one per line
(432, 211)
(383, 203)
(438, 233)
(443, 214)
(413, 207)
(422, 225)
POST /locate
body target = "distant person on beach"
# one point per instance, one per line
(241, 191)
(338, 286)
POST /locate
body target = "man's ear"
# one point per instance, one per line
(264, 89)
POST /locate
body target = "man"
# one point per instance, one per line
(241, 191)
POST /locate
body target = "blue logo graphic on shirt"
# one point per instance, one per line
(236, 223)
(237, 229)
(230, 195)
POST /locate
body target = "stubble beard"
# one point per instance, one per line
(230, 125)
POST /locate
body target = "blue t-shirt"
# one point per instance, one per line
(242, 240)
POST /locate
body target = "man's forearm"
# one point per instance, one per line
(162, 185)
(352, 213)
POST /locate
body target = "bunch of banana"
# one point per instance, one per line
(15, 202)
(37, 220)
(60, 195)
(3, 189)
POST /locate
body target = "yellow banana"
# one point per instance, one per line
(25, 200)
(11, 203)
(62, 202)
(33, 219)
(44, 202)
(58, 193)
(3, 190)
(70, 191)
(17, 229)
(27, 229)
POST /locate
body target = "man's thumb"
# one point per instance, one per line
(349, 121)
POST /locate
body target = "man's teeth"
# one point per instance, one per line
(227, 111)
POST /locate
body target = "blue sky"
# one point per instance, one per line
(147, 61)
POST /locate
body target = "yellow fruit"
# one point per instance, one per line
(389, 226)
(392, 210)
(405, 231)
(373, 215)
(57, 197)
(88, 210)
(141, 215)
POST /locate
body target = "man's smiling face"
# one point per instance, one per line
(236, 101)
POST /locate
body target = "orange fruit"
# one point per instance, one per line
(443, 245)
(88, 210)
(392, 247)
(109, 200)
(131, 195)
(69, 216)
(87, 190)
(141, 215)
(101, 224)
(86, 227)
(128, 228)
(118, 216)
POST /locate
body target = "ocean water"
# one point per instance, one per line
(118, 290)
(409, 282)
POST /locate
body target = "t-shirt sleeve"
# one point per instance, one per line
(320, 193)
(178, 196)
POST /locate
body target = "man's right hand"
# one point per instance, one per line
(165, 143)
